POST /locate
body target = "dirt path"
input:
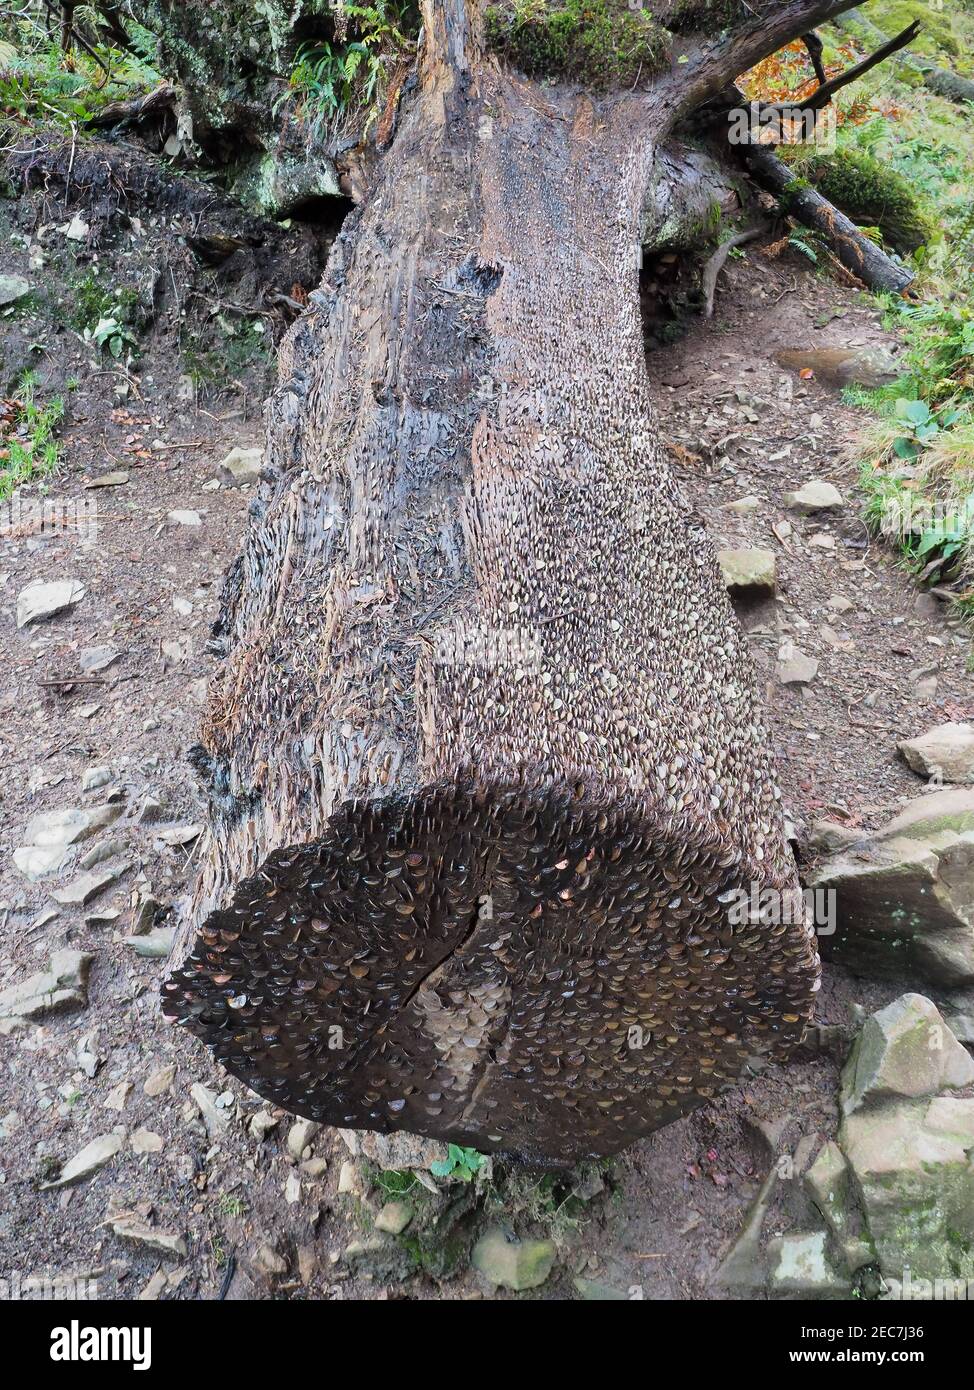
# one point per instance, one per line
(742, 427)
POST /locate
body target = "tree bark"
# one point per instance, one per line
(485, 763)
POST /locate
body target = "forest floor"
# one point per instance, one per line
(256, 1220)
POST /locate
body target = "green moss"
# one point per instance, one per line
(393, 1182)
(602, 43)
(686, 16)
(868, 191)
(938, 30)
(89, 301)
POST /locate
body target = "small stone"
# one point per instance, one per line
(835, 640)
(88, 1161)
(307, 1264)
(159, 1081)
(145, 1141)
(103, 918)
(292, 1189)
(100, 852)
(185, 518)
(795, 667)
(314, 1168)
(117, 479)
(12, 288)
(840, 604)
(37, 861)
(151, 810)
(10, 1123)
(592, 1291)
(40, 600)
(118, 1096)
(70, 825)
(513, 1264)
(380, 1258)
(94, 659)
(945, 752)
(262, 1123)
(814, 497)
(268, 1262)
(742, 506)
(300, 1136)
(216, 1119)
(86, 1056)
(153, 945)
(87, 886)
(748, 571)
(349, 1180)
(242, 466)
(155, 1287)
(95, 777)
(394, 1218)
(182, 606)
(150, 1237)
(77, 229)
(62, 986)
(179, 834)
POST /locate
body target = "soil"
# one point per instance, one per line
(736, 423)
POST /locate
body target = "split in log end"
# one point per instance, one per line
(538, 970)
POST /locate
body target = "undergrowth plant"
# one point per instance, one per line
(353, 70)
(39, 82)
(29, 450)
(916, 453)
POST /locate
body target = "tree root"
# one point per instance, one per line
(716, 264)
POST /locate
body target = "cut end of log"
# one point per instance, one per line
(539, 970)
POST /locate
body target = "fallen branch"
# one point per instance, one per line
(824, 93)
(816, 48)
(867, 261)
(72, 680)
(162, 98)
(716, 264)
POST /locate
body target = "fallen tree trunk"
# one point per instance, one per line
(867, 261)
(485, 765)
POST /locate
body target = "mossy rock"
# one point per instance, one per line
(870, 193)
(937, 36)
(600, 43)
